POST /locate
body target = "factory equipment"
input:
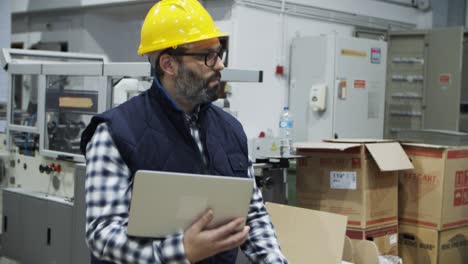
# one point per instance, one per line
(337, 87)
(270, 169)
(271, 176)
(427, 81)
(73, 94)
(52, 97)
(46, 112)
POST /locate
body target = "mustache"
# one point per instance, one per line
(214, 76)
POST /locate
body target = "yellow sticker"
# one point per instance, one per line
(76, 102)
(273, 147)
(355, 53)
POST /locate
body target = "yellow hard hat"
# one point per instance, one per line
(171, 23)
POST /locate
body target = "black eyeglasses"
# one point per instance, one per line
(211, 57)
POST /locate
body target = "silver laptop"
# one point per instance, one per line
(166, 202)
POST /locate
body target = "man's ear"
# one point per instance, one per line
(167, 64)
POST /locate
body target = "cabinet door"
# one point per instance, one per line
(59, 221)
(443, 93)
(12, 237)
(359, 104)
(80, 252)
(34, 214)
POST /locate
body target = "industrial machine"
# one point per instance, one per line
(337, 87)
(52, 97)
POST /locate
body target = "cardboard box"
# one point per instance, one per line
(435, 193)
(430, 246)
(385, 238)
(357, 179)
(306, 234)
(362, 252)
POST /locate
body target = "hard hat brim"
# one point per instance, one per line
(158, 47)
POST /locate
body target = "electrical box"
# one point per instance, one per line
(337, 87)
(427, 81)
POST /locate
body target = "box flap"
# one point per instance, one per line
(303, 233)
(389, 156)
(358, 140)
(348, 250)
(423, 145)
(366, 252)
(324, 145)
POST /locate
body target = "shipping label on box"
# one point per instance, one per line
(434, 194)
(343, 180)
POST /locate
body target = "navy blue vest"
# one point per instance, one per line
(150, 133)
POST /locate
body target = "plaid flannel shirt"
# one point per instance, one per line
(108, 195)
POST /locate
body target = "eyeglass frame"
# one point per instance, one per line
(219, 55)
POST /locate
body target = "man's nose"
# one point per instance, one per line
(219, 65)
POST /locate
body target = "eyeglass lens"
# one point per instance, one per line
(212, 57)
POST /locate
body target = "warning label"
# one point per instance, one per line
(445, 78)
(460, 196)
(461, 178)
(360, 84)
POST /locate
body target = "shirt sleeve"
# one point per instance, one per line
(262, 245)
(108, 193)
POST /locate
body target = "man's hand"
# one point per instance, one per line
(200, 243)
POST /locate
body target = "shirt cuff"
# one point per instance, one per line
(172, 250)
(276, 259)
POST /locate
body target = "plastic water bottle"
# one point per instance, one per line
(286, 125)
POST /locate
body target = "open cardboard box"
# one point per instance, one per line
(309, 236)
(357, 178)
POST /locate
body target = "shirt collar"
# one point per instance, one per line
(160, 87)
(192, 118)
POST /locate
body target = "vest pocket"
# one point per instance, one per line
(239, 164)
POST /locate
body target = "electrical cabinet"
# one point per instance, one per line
(427, 82)
(37, 228)
(337, 87)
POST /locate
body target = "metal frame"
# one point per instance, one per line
(8, 54)
(123, 69)
(45, 63)
(83, 69)
(72, 69)
(144, 69)
(127, 69)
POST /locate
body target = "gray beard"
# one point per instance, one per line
(193, 89)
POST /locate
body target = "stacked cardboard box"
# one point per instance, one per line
(433, 205)
(358, 179)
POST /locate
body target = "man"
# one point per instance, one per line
(172, 127)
